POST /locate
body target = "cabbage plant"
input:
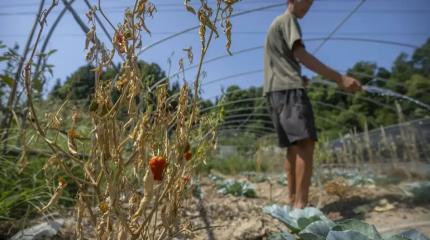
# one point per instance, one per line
(311, 224)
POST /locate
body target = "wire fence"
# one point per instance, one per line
(403, 142)
(402, 148)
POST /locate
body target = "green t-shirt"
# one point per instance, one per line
(281, 70)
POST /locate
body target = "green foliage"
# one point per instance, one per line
(418, 87)
(8, 57)
(316, 230)
(234, 187)
(11, 59)
(237, 189)
(282, 236)
(80, 84)
(418, 191)
(402, 71)
(20, 191)
(363, 71)
(25, 185)
(357, 226)
(421, 59)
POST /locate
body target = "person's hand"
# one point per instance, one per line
(349, 84)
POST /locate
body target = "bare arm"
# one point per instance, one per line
(314, 64)
(347, 83)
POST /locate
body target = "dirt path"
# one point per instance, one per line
(242, 218)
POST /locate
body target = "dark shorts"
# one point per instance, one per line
(292, 115)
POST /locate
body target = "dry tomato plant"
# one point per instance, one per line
(142, 151)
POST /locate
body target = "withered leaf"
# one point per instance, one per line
(189, 7)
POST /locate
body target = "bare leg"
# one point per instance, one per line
(304, 162)
(290, 168)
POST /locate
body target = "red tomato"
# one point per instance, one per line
(157, 165)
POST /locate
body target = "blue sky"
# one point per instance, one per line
(390, 20)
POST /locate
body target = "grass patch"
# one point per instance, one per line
(23, 191)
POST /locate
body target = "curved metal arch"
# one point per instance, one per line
(267, 129)
(225, 123)
(328, 120)
(253, 108)
(253, 99)
(322, 82)
(197, 26)
(367, 99)
(246, 50)
(258, 98)
(245, 109)
(49, 35)
(179, 33)
(261, 70)
(317, 102)
(247, 128)
(268, 115)
(256, 120)
(261, 129)
(258, 133)
(232, 76)
(379, 103)
(246, 115)
(68, 7)
(260, 47)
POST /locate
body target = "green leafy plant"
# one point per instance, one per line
(234, 187)
(312, 224)
(237, 188)
(356, 226)
(295, 219)
(419, 191)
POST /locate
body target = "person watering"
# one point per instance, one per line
(286, 94)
